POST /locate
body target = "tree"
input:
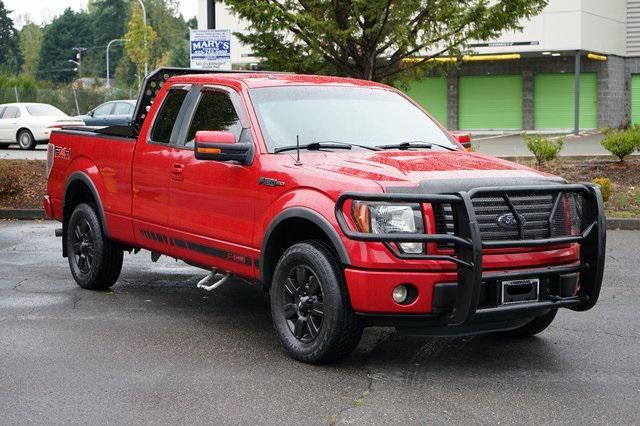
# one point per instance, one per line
(372, 39)
(10, 58)
(69, 30)
(30, 44)
(138, 50)
(109, 20)
(172, 28)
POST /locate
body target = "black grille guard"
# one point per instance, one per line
(469, 246)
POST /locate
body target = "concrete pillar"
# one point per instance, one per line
(613, 90)
(528, 101)
(452, 102)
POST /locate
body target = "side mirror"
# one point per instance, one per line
(463, 139)
(222, 146)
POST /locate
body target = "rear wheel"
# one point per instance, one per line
(26, 140)
(310, 307)
(95, 261)
(537, 325)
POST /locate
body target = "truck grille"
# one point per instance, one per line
(498, 223)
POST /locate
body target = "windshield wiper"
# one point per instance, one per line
(413, 145)
(316, 146)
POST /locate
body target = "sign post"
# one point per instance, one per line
(210, 49)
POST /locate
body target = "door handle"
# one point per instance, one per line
(177, 171)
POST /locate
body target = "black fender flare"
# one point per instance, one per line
(84, 178)
(313, 217)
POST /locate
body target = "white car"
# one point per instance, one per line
(29, 124)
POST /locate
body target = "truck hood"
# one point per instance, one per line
(414, 168)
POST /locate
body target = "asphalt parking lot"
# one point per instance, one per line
(157, 350)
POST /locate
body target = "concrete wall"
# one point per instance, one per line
(594, 25)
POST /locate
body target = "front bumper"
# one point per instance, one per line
(370, 291)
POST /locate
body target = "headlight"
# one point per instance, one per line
(377, 218)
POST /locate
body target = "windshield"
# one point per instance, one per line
(364, 116)
(43, 110)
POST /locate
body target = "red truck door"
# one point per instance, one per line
(152, 162)
(212, 202)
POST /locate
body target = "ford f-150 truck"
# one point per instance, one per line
(343, 198)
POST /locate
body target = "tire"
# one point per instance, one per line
(309, 305)
(95, 261)
(26, 140)
(537, 325)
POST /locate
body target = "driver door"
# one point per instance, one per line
(212, 202)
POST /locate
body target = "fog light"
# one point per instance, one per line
(400, 294)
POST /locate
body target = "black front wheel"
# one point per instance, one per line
(95, 261)
(310, 307)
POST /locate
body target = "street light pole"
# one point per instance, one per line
(108, 46)
(144, 19)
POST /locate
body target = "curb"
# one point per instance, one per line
(22, 214)
(587, 157)
(626, 224)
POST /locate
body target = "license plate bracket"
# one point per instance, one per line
(524, 290)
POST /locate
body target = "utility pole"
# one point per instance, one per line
(108, 84)
(144, 19)
(79, 51)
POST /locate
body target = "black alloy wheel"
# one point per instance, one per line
(82, 243)
(310, 305)
(303, 303)
(94, 259)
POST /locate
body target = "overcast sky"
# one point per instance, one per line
(43, 11)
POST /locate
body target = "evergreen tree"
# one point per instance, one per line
(372, 39)
(109, 19)
(69, 30)
(10, 57)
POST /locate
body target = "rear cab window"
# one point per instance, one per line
(165, 121)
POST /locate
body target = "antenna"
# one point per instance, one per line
(298, 162)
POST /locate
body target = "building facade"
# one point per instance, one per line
(576, 52)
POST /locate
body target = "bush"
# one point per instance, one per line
(621, 143)
(605, 187)
(8, 179)
(544, 149)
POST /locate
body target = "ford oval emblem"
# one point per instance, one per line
(508, 221)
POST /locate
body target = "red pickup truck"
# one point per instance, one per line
(343, 198)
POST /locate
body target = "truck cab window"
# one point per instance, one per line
(215, 111)
(167, 116)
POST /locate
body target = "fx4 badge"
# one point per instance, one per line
(62, 153)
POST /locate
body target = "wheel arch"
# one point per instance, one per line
(281, 234)
(78, 189)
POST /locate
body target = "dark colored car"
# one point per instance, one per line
(110, 114)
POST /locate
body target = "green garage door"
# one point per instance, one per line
(635, 98)
(555, 104)
(490, 102)
(431, 93)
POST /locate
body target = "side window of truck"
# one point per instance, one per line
(215, 111)
(167, 116)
